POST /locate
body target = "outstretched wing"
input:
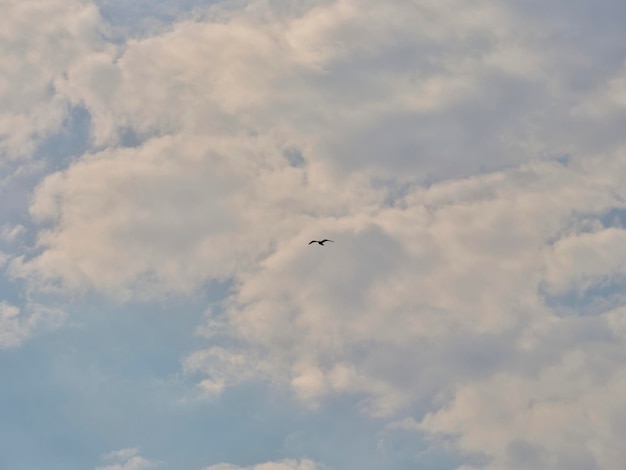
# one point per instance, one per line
(312, 241)
(327, 240)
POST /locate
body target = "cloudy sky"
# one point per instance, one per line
(163, 165)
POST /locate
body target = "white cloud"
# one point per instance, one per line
(122, 454)
(175, 212)
(16, 325)
(9, 233)
(41, 39)
(608, 99)
(353, 80)
(586, 259)
(128, 459)
(569, 415)
(219, 102)
(414, 138)
(289, 464)
(399, 298)
(223, 368)
(322, 83)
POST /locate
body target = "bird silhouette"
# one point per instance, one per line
(321, 242)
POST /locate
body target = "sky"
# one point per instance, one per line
(164, 164)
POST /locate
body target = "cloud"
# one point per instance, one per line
(122, 454)
(215, 107)
(397, 298)
(536, 421)
(135, 221)
(463, 170)
(304, 464)
(41, 40)
(127, 459)
(417, 81)
(9, 234)
(608, 99)
(582, 260)
(17, 325)
(199, 112)
(224, 368)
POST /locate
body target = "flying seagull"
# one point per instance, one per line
(321, 242)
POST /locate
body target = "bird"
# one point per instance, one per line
(321, 242)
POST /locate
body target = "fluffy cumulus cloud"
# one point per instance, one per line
(567, 415)
(39, 41)
(462, 156)
(175, 212)
(449, 285)
(283, 115)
